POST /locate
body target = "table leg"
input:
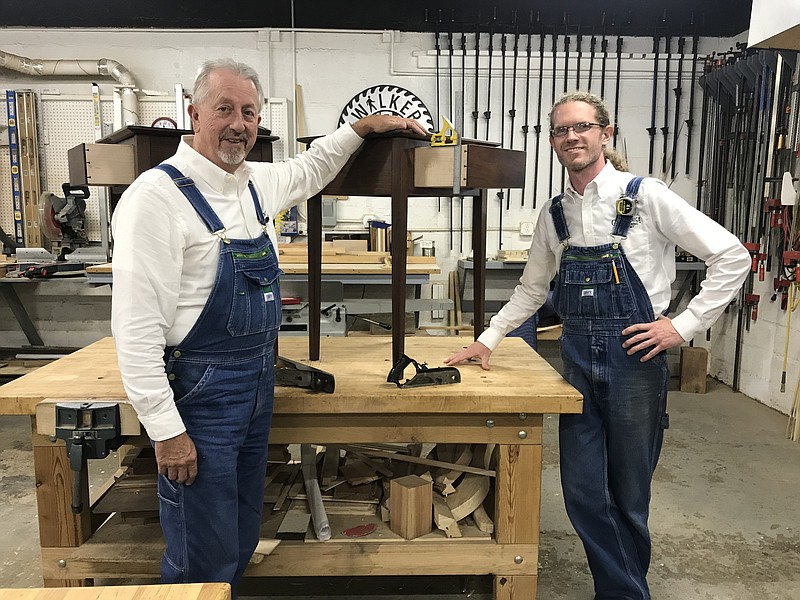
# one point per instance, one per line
(314, 215)
(479, 260)
(59, 527)
(402, 173)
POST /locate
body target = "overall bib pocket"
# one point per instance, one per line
(256, 302)
(593, 290)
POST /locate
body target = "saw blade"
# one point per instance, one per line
(47, 218)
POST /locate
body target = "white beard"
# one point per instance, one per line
(234, 156)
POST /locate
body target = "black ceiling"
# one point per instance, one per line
(626, 17)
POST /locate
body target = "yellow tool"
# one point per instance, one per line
(447, 135)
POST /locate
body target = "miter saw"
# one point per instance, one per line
(62, 220)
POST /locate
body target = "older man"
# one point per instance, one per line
(196, 311)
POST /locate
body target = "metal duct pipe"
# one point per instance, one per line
(104, 67)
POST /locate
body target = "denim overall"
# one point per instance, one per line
(222, 376)
(609, 453)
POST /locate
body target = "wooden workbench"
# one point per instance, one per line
(502, 406)
(180, 591)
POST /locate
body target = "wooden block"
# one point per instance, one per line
(694, 369)
(412, 506)
(345, 246)
(444, 518)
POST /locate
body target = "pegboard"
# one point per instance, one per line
(276, 115)
(67, 122)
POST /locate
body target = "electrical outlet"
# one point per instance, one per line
(526, 228)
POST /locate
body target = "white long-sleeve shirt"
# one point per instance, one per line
(663, 219)
(165, 259)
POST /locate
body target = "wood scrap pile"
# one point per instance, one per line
(358, 480)
(444, 486)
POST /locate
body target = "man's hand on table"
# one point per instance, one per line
(474, 350)
(177, 458)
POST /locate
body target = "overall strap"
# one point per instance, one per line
(560, 223)
(626, 208)
(187, 186)
(263, 220)
(196, 199)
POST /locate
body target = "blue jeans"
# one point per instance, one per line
(608, 455)
(212, 526)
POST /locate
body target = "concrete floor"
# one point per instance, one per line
(725, 514)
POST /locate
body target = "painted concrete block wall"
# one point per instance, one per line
(332, 67)
(66, 314)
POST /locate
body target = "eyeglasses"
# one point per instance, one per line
(577, 128)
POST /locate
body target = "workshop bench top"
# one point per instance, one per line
(188, 591)
(519, 381)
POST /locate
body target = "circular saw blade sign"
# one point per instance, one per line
(386, 100)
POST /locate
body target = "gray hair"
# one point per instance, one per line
(201, 82)
(600, 110)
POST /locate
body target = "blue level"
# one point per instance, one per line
(13, 152)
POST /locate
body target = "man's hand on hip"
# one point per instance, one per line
(177, 458)
(657, 336)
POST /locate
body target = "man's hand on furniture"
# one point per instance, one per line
(474, 350)
(384, 123)
(177, 458)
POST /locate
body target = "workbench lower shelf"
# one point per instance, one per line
(119, 550)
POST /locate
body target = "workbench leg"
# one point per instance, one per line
(518, 587)
(517, 506)
(59, 527)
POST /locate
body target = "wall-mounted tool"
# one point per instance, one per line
(651, 131)
(487, 114)
(617, 82)
(751, 302)
(90, 430)
(289, 373)
(424, 375)
(690, 121)
(678, 89)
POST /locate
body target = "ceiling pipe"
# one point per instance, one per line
(57, 68)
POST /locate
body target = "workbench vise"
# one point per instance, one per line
(90, 430)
